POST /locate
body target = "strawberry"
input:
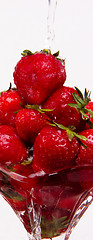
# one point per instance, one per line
(47, 194)
(13, 197)
(38, 75)
(10, 102)
(29, 122)
(63, 113)
(85, 156)
(53, 150)
(85, 160)
(54, 190)
(56, 200)
(25, 171)
(12, 149)
(68, 199)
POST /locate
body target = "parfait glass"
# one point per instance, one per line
(48, 205)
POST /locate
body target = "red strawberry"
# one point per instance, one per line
(85, 156)
(27, 181)
(90, 106)
(48, 195)
(10, 102)
(12, 149)
(53, 151)
(69, 199)
(54, 190)
(13, 197)
(37, 76)
(29, 122)
(86, 178)
(62, 112)
(81, 176)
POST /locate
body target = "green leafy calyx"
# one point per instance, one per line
(81, 103)
(70, 132)
(51, 227)
(45, 51)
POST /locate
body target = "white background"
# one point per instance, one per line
(23, 25)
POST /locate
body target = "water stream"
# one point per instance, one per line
(52, 5)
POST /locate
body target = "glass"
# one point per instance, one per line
(49, 206)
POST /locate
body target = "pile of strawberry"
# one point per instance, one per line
(43, 123)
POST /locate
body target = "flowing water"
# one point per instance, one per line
(52, 6)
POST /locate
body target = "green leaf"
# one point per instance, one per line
(11, 193)
(82, 137)
(51, 123)
(47, 51)
(26, 52)
(87, 96)
(82, 144)
(90, 123)
(27, 162)
(56, 54)
(44, 110)
(16, 111)
(84, 115)
(72, 128)
(51, 227)
(89, 111)
(2, 92)
(37, 107)
(60, 126)
(70, 135)
(79, 92)
(78, 99)
(74, 105)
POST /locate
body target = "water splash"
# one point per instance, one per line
(52, 5)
